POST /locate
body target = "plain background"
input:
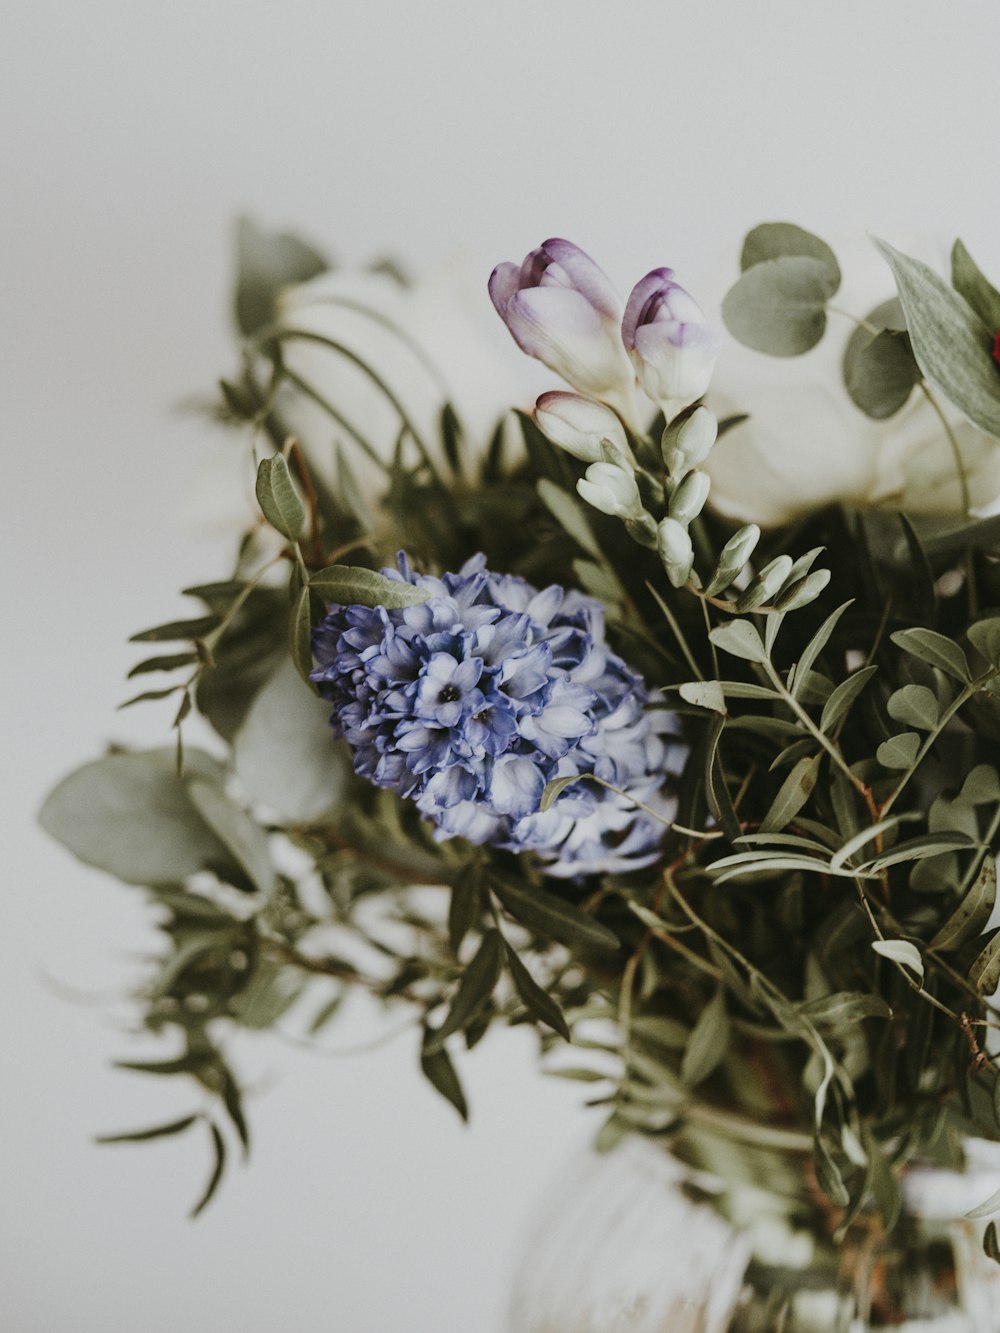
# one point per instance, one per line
(131, 136)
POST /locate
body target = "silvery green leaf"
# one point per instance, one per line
(285, 753)
(984, 635)
(704, 694)
(816, 645)
(899, 751)
(844, 1007)
(985, 971)
(277, 498)
(879, 370)
(708, 1042)
(550, 915)
(802, 591)
(774, 240)
(267, 262)
(569, 515)
(245, 839)
(349, 585)
(537, 1001)
(132, 816)
(970, 282)
(914, 706)
(796, 789)
(952, 346)
(987, 1209)
(742, 689)
(733, 557)
(740, 639)
(766, 585)
(972, 913)
(779, 305)
(981, 785)
(934, 649)
(555, 788)
(476, 986)
(177, 629)
(915, 849)
(861, 839)
(841, 701)
(300, 634)
(902, 952)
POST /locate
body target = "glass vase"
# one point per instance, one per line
(635, 1241)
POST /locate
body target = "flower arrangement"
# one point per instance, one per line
(625, 718)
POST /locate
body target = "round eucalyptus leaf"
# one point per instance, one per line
(879, 368)
(131, 815)
(779, 305)
(774, 240)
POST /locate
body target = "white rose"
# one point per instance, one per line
(806, 445)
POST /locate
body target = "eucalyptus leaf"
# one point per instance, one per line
(245, 839)
(285, 753)
(132, 816)
(975, 287)
(879, 370)
(952, 346)
(779, 305)
(774, 240)
(350, 585)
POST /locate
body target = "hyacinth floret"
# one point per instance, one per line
(471, 701)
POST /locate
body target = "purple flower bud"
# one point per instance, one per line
(578, 425)
(561, 309)
(672, 349)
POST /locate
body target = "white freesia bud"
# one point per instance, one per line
(688, 500)
(688, 441)
(670, 344)
(673, 542)
(767, 584)
(733, 557)
(612, 490)
(578, 425)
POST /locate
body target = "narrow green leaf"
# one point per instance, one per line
(277, 498)
(899, 751)
(704, 694)
(778, 306)
(350, 585)
(902, 952)
(831, 1182)
(844, 1007)
(816, 645)
(773, 240)
(155, 1132)
(440, 1073)
(147, 696)
(720, 802)
(177, 629)
(861, 839)
(796, 789)
(934, 649)
(548, 914)
(950, 342)
(915, 849)
(740, 639)
(985, 971)
(300, 635)
(476, 986)
(741, 689)
(267, 262)
(219, 1150)
(987, 1209)
(233, 827)
(843, 698)
(569, 515)
(975, 287)
(972, 913)
(991, 1244)
(708, 1042)
(555, 788)
(169, 663)
(538, 1002)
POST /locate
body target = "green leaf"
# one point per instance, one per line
(286, 755)
(987, 1209)
(300, 634)
(991, 1244)
(984, 636)
(350, 585)
(843, 1008)
(132, 816)
(704, 694)
(972, 913)
(463, 908)
(741, 689)
(900, 751)
(440, 1073)
(476, 986)
(552, 790)
(879, 370)
(177, 629)
(708, 1042)
(219, 1150)
(828, 1176)
(569, 515)
(155, 1132)
(975, 287)
(550, 915)
(245, 839)
(796, 789)
(935, 650)
(277, 498)
(914, 706)
(952, 346)
(775, 240)
(740, 639)
(720, 802)
(842, 700)
(538, 1002)
(169, 663)
(915, 849)
(984, 973)
(902, 952)
(779, 305)
(816, 645)
(267, 262)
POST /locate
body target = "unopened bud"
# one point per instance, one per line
(673, 542)
(767, 584)
(612, 490)
(733, 557)
(688, 441)
(803, 591)
(579, 425)
(688, 500)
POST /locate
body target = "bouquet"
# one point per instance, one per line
(650, 718)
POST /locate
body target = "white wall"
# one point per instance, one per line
(650, 132)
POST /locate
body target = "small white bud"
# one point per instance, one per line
(688, 441)
(688, 500)
(612, 490)
(673, 542)
(579, 425)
